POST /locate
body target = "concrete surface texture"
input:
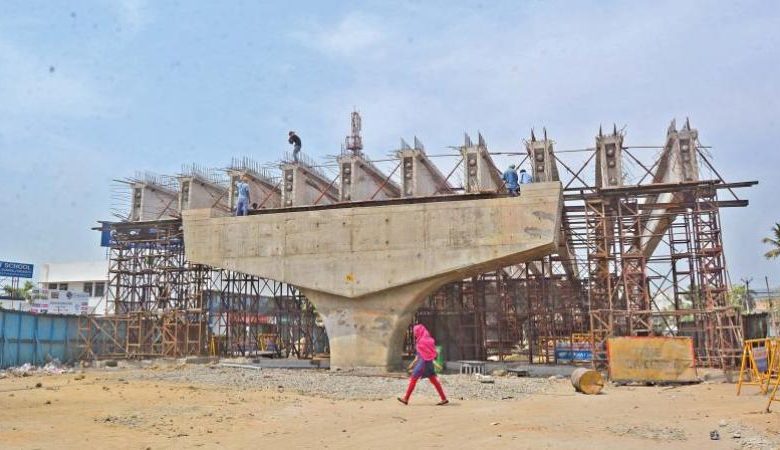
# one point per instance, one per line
(361, 180)
(420, 176)
(367, 269)
(303, 185)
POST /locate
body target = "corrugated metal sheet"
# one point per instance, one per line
(756, 325)
(36, 338)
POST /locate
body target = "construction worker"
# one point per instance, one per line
(242, 204)
(525, 177)
(510, 179)
(296, 143)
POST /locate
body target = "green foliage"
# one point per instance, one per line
(739, 295)
(22, 292)
(773, 242)
(736, 295)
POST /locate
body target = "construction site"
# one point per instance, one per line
(404, 224)
(640, 253)
(225, 329)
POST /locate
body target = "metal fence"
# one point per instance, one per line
(37, 338)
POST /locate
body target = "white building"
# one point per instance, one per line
(89, 277)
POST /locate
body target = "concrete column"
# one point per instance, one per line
(153, 202)
(196, 193)
(678, 164)
(480, 172)
(609, 159)
(361, 180)
(303, 185)
(540, 152)
(421, 178)
(262, 190)
(367, 333)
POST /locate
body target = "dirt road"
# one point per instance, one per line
(142, 408)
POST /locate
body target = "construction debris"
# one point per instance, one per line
(53, 367)
(487, 379)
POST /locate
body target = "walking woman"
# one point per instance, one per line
(423, 364)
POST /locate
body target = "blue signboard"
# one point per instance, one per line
(106, 239)
(16, 270)
(576, 352)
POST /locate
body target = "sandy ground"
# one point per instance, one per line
(135, 409)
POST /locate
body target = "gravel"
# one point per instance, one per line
(346, 386)
(746, 437)
(649, 432)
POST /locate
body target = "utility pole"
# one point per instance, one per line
(747, 293)
(772, 313)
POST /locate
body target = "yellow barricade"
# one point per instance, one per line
(773, 395)
(216, 344)
(757, 363)
(773, 380)
(264, 339)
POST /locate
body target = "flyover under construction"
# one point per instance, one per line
(639, 251)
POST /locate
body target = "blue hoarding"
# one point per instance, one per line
(36, 338)
(15, 269)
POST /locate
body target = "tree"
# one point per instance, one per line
(773, 242)
(741, 297)
(21, 292)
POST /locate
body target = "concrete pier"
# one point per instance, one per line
(368, 268)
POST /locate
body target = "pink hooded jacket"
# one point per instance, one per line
(426, 346)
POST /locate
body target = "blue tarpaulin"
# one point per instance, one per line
(37, 338)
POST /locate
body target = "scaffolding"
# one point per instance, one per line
(639, 255)
(161, 305)
(608, 284)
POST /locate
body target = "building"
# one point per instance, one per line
(89, 277)
(768, 302)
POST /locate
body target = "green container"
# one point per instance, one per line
(438, 363)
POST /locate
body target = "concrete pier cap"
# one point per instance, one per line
(367, 268)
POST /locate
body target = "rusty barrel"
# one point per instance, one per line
(587, 381)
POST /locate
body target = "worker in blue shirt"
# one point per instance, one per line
(525, 178)
(510, 179)
(242, 205)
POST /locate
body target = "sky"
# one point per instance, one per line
(93, 91)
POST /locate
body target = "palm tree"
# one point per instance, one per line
(774, 242)
(20, 292)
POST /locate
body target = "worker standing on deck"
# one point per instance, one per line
(510, 179)
(296, 143)
(242, 204)
(422, 366)
(525, 177)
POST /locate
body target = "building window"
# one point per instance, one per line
(100, 289)
(52, 285)
(88, 288)
(63, 286)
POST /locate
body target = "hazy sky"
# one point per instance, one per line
(92, 91)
